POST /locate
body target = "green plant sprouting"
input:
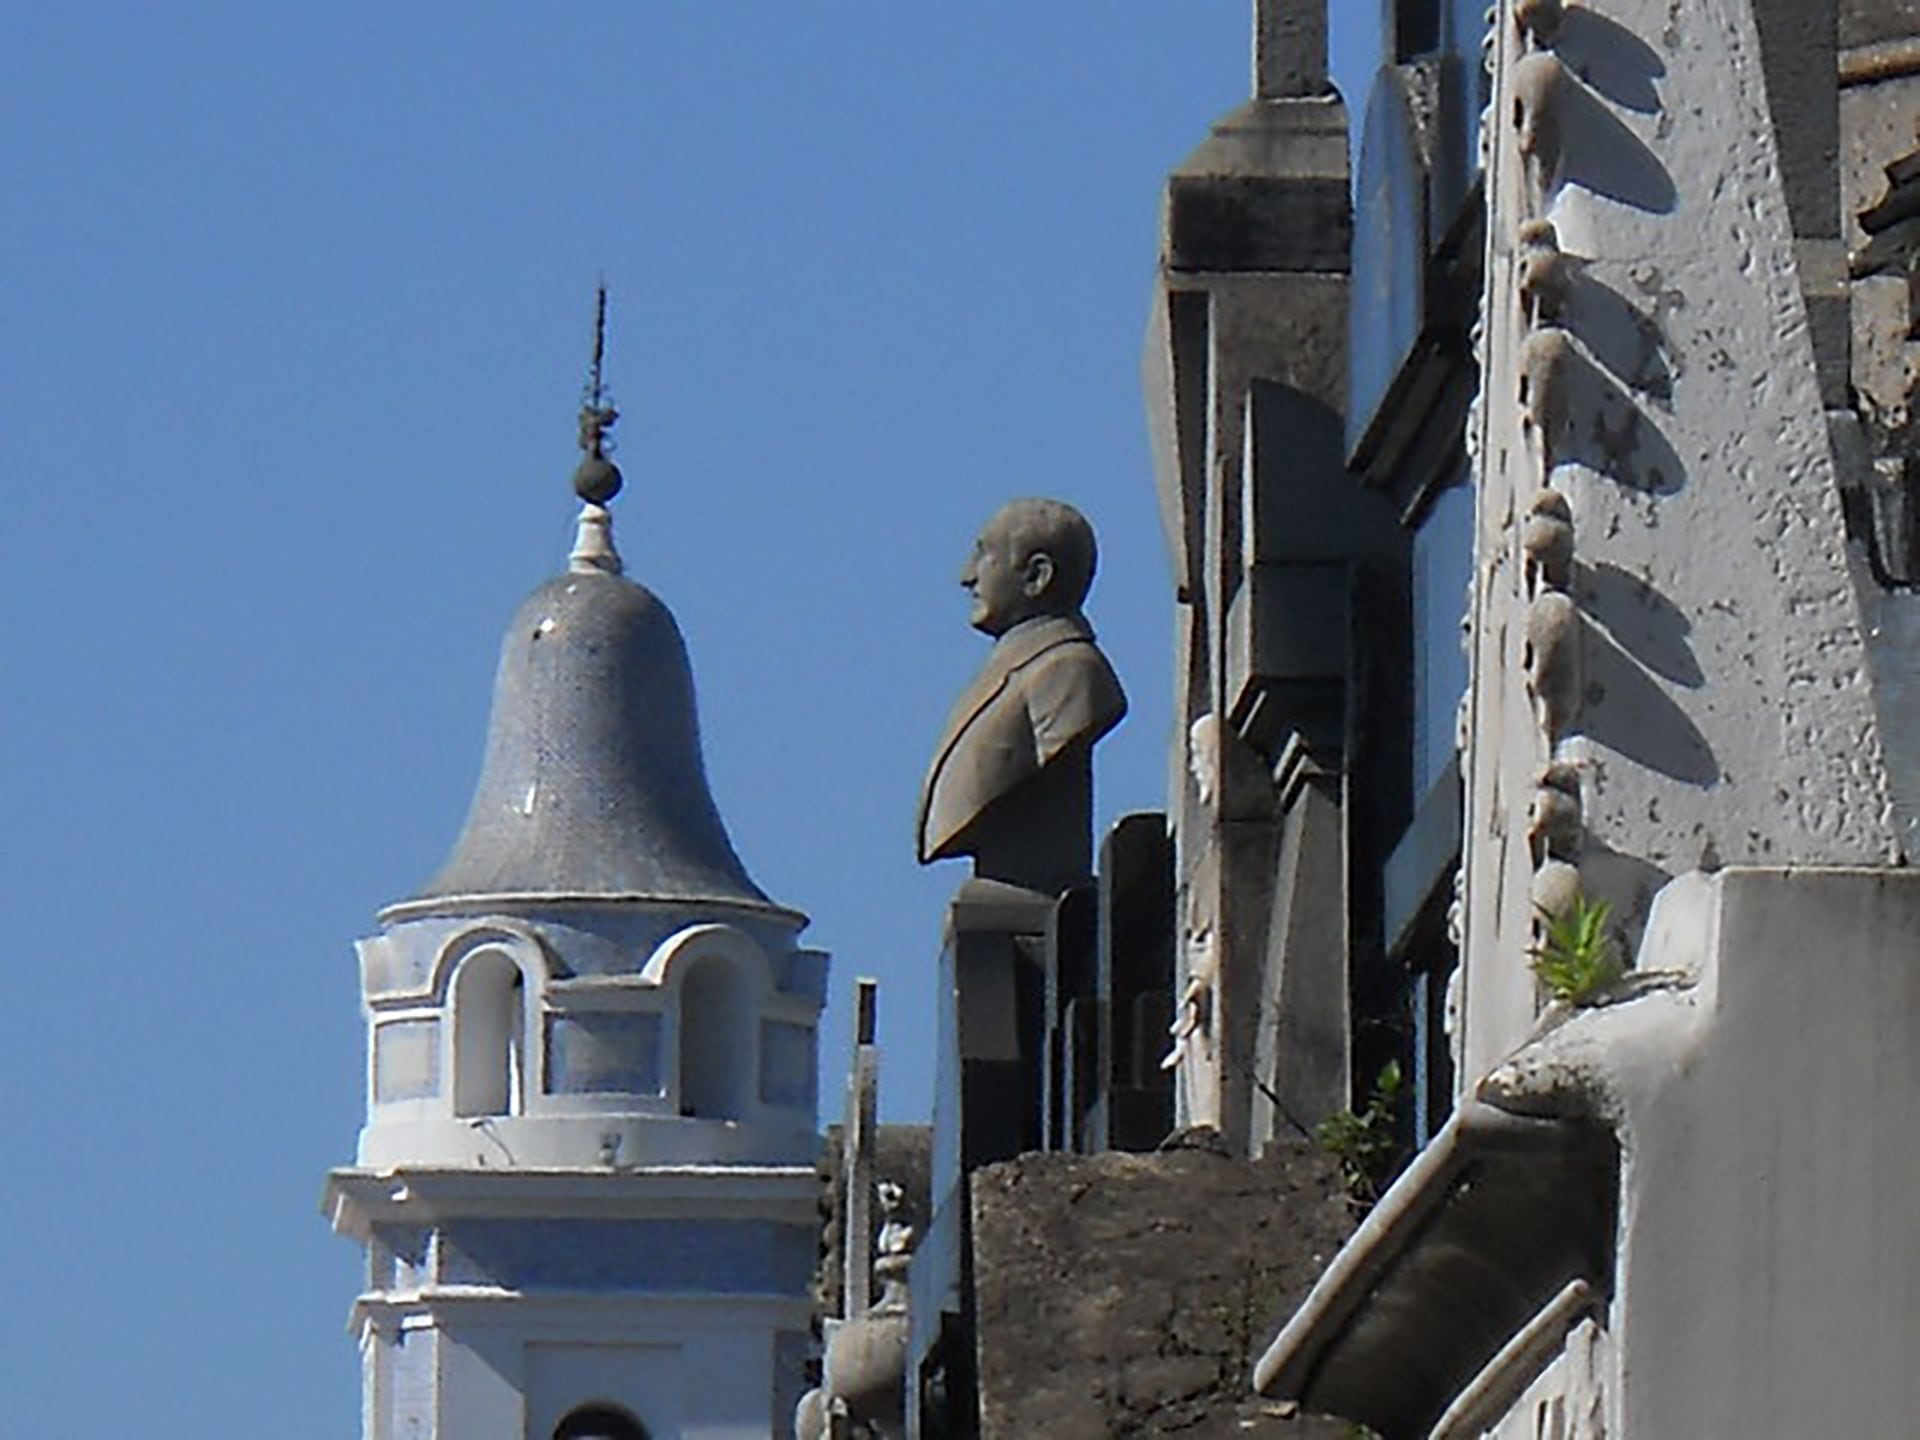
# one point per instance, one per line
(1363, 1141)
(1576, 958)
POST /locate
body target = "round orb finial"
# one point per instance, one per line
(596, 479)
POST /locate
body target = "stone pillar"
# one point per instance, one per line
(1134, 1109)
(857, 1152)
(1289, 49)
(1256, 243)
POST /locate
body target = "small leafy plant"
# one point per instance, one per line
(1363, 1141)
(1576, 958)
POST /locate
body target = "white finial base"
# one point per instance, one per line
(593, 543)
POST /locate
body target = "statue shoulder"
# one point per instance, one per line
(1072, 695)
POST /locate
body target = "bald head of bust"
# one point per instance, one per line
(1033, 558)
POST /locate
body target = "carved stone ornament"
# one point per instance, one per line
(1538, 85)
(1544, 273)
(1192, 1026)
(1554, 826)
(1547, 540)
(1539, 20)
(1230, 779)
(864, 1389)
(1556, 890)
(1547, 366)
(1553, 662)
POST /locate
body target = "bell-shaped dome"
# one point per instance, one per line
(593, 784)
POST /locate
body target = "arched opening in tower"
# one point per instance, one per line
(489, 1036)
(716, 1041)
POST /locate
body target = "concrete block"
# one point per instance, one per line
(1120, 1294)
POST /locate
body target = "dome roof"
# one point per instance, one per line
(593, 785)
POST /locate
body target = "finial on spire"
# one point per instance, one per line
(1289, 49)
(597, 480)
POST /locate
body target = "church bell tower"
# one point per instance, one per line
(586, 1185)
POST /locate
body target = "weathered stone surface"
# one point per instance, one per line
(1871, 22)
(1123, 1295)
(1235, 223)
(1798, 53)
(1727, 710)
(1289, 49)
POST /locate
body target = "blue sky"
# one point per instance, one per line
(294, 319)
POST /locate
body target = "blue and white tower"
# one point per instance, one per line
(586, 1183)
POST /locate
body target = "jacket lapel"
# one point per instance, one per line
(1017, 647)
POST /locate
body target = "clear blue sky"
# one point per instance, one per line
(293, 321)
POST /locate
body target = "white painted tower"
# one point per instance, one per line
(586, 1183)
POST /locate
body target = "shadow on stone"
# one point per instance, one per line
(1613, 437)
(1612, 59)
(1622, 338)
(1602, 155)
(1641, 621)
(1629, 883)
(1627, 711)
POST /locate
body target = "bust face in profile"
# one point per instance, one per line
(1011, 779)
(1033, 558)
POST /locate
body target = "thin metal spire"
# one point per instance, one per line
(596, 390)
(597, 480)
(597, 413)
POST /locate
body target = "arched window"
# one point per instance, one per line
(716, 1040)
(600, 1422)
(489, 1036)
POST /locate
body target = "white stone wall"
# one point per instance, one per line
(586, 1174)
(1698, 670)
(426, 1047)
(1764, 1083)
(515, 1373)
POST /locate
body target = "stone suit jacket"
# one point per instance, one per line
(1044, 688)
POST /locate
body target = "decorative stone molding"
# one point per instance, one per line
(724, 941)
(1544, 274)
(1548, 361)
(1556, 889)
(1553, 826)
(1547, 542)
(1539, 20)
(521, 941)
(1538, 84)
(1552, 662)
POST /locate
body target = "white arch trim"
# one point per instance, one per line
(521, 943)
(698, 942)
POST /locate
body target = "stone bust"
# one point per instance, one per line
(1011, 782)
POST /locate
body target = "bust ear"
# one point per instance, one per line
(1036, 578)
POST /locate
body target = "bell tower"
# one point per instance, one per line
(586, 1185)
